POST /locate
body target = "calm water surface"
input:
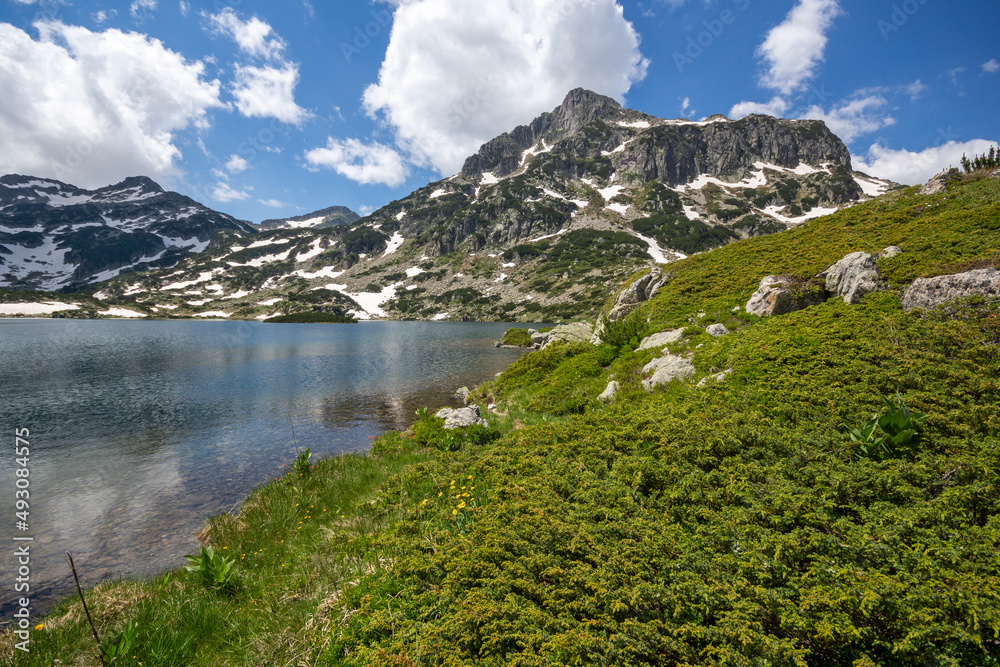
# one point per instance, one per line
(142, 430)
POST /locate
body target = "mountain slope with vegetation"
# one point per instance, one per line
(734, 523)
(538, 226)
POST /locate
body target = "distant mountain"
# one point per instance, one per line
(327, 217)
(54, 236)
(540, 224)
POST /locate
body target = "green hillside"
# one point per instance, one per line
(736, 523)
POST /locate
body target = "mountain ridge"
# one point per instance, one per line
(535, 227)
(57, 236)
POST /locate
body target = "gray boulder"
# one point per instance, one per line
(463, 394)
(717, 330)
(461, 417)
(643, 289)
(713, 379)
(610, 392)
(662, 339)
(890, 252)
(853, 277)
(571, 333)
(776, 296)
(928, 293)
(665, 369)
(939, 182)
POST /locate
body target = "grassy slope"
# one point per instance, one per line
(730, 525)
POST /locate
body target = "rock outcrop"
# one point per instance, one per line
(461, 417)
(713, 379)
(717, 330)
(778, 295)
(939, 182)
(665, 369)
(853, 277)
(661, 340)
(571, 333)
(928, 293)
(610, 392)
(641, 290)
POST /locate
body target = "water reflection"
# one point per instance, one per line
(142, 430)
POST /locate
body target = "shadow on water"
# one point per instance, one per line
(140, 431)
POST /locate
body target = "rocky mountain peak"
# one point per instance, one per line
(582, 107)
(143, 184)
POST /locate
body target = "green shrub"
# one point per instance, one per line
(213, 569)
(517, 337)
(895, 432)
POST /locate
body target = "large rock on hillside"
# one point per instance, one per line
(853, 277)
(641, 290)
(939, 182)
(661, 339)
(778, 295)
(928, 293)
(665, 369)
(571, 333)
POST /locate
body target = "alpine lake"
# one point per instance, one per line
(139, 431)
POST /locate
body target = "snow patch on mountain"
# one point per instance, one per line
(395, 243)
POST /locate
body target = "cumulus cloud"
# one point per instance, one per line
(272, 203)
(254, 37)
(457, 73)
(367, 164)
(854, 118)
(236, 164)
(991, 66)
(794, 48)
(268, 92)
(776, 107)
(911, 168)
(91, 108)
(223, 192)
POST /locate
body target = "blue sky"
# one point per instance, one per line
(274, 109)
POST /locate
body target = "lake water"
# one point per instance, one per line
(142, 430)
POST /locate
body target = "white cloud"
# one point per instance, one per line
(272, 203)
(254, 37)
(854, 118)
(794, 48)
(224, 193)
(140, 9)
(911, 168)
(991, 66)
(102, 16)
(236, 164)
(776, 107)
(185, 8)
(91, 108)
(364, 163)
(268, 92)
(915, 90)
(458, 73)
